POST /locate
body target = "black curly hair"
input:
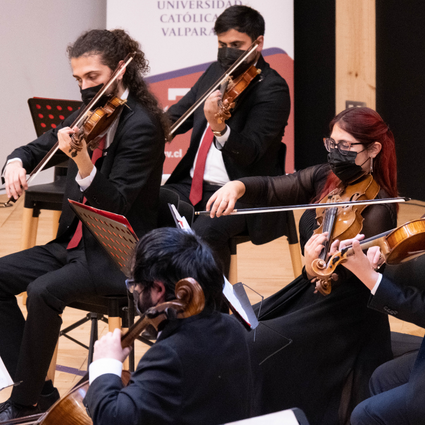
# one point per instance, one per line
(113, 46)
(169, 254)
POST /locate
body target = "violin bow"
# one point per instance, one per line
(311, 206)
(78, 122)
(225, 77)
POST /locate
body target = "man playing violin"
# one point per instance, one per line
(125, 180)
(397, 387)
(198, 370)
(247, 144)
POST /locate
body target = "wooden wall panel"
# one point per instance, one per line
(355, 52)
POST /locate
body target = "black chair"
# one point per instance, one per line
(287, 228)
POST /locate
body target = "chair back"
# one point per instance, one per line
(165, 218)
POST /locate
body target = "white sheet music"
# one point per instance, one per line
(240, 303)
(5, 379)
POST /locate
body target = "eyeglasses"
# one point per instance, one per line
(343, 146)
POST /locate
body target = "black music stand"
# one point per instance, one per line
(115, 234)
(46, 114)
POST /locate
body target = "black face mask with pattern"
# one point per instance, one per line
(227, 56)
(89, 93)
(344, 166)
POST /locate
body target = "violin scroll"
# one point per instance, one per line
(325, 271)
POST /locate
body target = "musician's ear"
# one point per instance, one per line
(261, 43)
(158, 292)
(374, 149)
(122, 72)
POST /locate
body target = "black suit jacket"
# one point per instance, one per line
(257, 124)
(127, 181)
(196, 373)
(407, 303)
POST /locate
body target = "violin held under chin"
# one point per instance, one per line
(91, 124)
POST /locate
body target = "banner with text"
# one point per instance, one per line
(178, 39)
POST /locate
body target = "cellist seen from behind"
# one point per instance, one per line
(198, 370)
(122, 175)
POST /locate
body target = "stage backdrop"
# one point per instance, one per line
(178, 39)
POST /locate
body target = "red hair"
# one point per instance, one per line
(367, 126)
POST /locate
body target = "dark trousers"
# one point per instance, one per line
(53, 278)
(215, 231)
(388, 386)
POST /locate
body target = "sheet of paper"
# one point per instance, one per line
(5, 379)
(235, 294)
(237, 297)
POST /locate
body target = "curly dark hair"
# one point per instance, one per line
(113, 46)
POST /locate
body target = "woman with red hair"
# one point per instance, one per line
(335, 341)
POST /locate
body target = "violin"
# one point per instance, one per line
(398, 245)
(96, 124)
(233, 90)
(104, 120)
(70, 410)
(343, 222)
(223, 79)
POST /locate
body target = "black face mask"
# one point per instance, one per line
(227, 56)
(89, 93)
(344, 166)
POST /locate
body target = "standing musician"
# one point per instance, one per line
(337, 341)
(247, 144)
(125, 180)
(398, 386)
(198, 371)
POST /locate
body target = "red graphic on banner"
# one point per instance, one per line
(169, 88)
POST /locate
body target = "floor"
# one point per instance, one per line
(265, 269)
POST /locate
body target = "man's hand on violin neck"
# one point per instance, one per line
(16, 179)
(81, 158)
(211, 108)
(363, 266)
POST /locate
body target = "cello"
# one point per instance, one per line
(70, 410)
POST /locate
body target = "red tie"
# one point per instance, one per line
(198, 175)
(76, 238)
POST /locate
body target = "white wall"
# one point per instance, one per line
(34, 35)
